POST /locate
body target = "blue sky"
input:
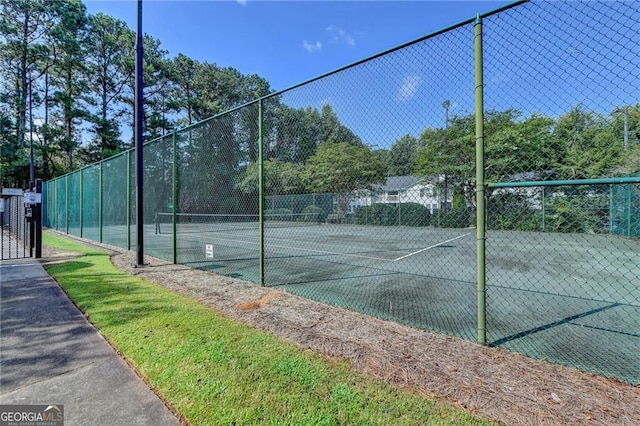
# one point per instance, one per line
(288, 42)
(539, 58)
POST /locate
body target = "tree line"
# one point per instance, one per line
(580, 144)
(75, 73)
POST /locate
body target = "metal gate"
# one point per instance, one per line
(15, 230)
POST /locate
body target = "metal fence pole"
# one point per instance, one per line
(628, 188)
(55, 193)
(66, 204)
(38, 223)
(544, 215)
(174, 197)
(261, 190)
(100, 199)
(139, 141)
(81, 202)
(480, 188)
(129, 200)
(611, 209)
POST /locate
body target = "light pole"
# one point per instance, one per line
(624, 109)
(446, 104)
(139, 119)
(32, 174)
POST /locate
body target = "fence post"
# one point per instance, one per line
(611, 217)
(544, 215)
(66, 203)
(480, 186)
(628, 188)
(57, 214)
(399, 204)
(174, 197)
(129, 200)
(261, 191)
(81, 202)
(100, 199)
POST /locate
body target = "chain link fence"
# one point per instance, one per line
(562, 76)
(361, 188)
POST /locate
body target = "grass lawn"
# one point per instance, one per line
(214, 371)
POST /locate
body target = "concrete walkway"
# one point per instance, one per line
(50, 354)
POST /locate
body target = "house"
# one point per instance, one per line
(404, 189)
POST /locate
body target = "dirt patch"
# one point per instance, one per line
(265, 300)
(491, 382)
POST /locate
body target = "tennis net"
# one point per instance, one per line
(207, 222)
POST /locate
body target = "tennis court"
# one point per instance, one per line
(554, 169)
(550, 295)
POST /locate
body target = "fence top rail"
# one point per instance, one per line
(601, 181)
(402, 46)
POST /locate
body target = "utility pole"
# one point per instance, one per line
(625, 110)
(139, 118)
(446, 104)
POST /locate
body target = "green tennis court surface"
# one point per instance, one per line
(572, 299)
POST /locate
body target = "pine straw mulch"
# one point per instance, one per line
(491, 382)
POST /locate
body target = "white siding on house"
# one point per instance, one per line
(423, 192)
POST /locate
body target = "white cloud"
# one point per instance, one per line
(242, 2)
(312, 47)
(409, 87)
(338, 35)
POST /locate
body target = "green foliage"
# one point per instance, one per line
(383, 214)
(592, 149)
(279, 178)
(298, 133)
(413, 214)
(316, 213)
(573, 215)
(332, 131)
(459, 201)
(454, 218)
(362, 215)
(403, 156)
(509, 211)
(342, 168)
(567, 219)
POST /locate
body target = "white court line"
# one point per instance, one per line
(430, 247)
(332, 253)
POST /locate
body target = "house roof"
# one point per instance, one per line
(396, 183)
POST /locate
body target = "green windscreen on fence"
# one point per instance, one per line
(74, 200)
(158, 194)
(115, 199)
(62, 207)
(365, 188)
(91, 202)
(625, 211)
(212, 159)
